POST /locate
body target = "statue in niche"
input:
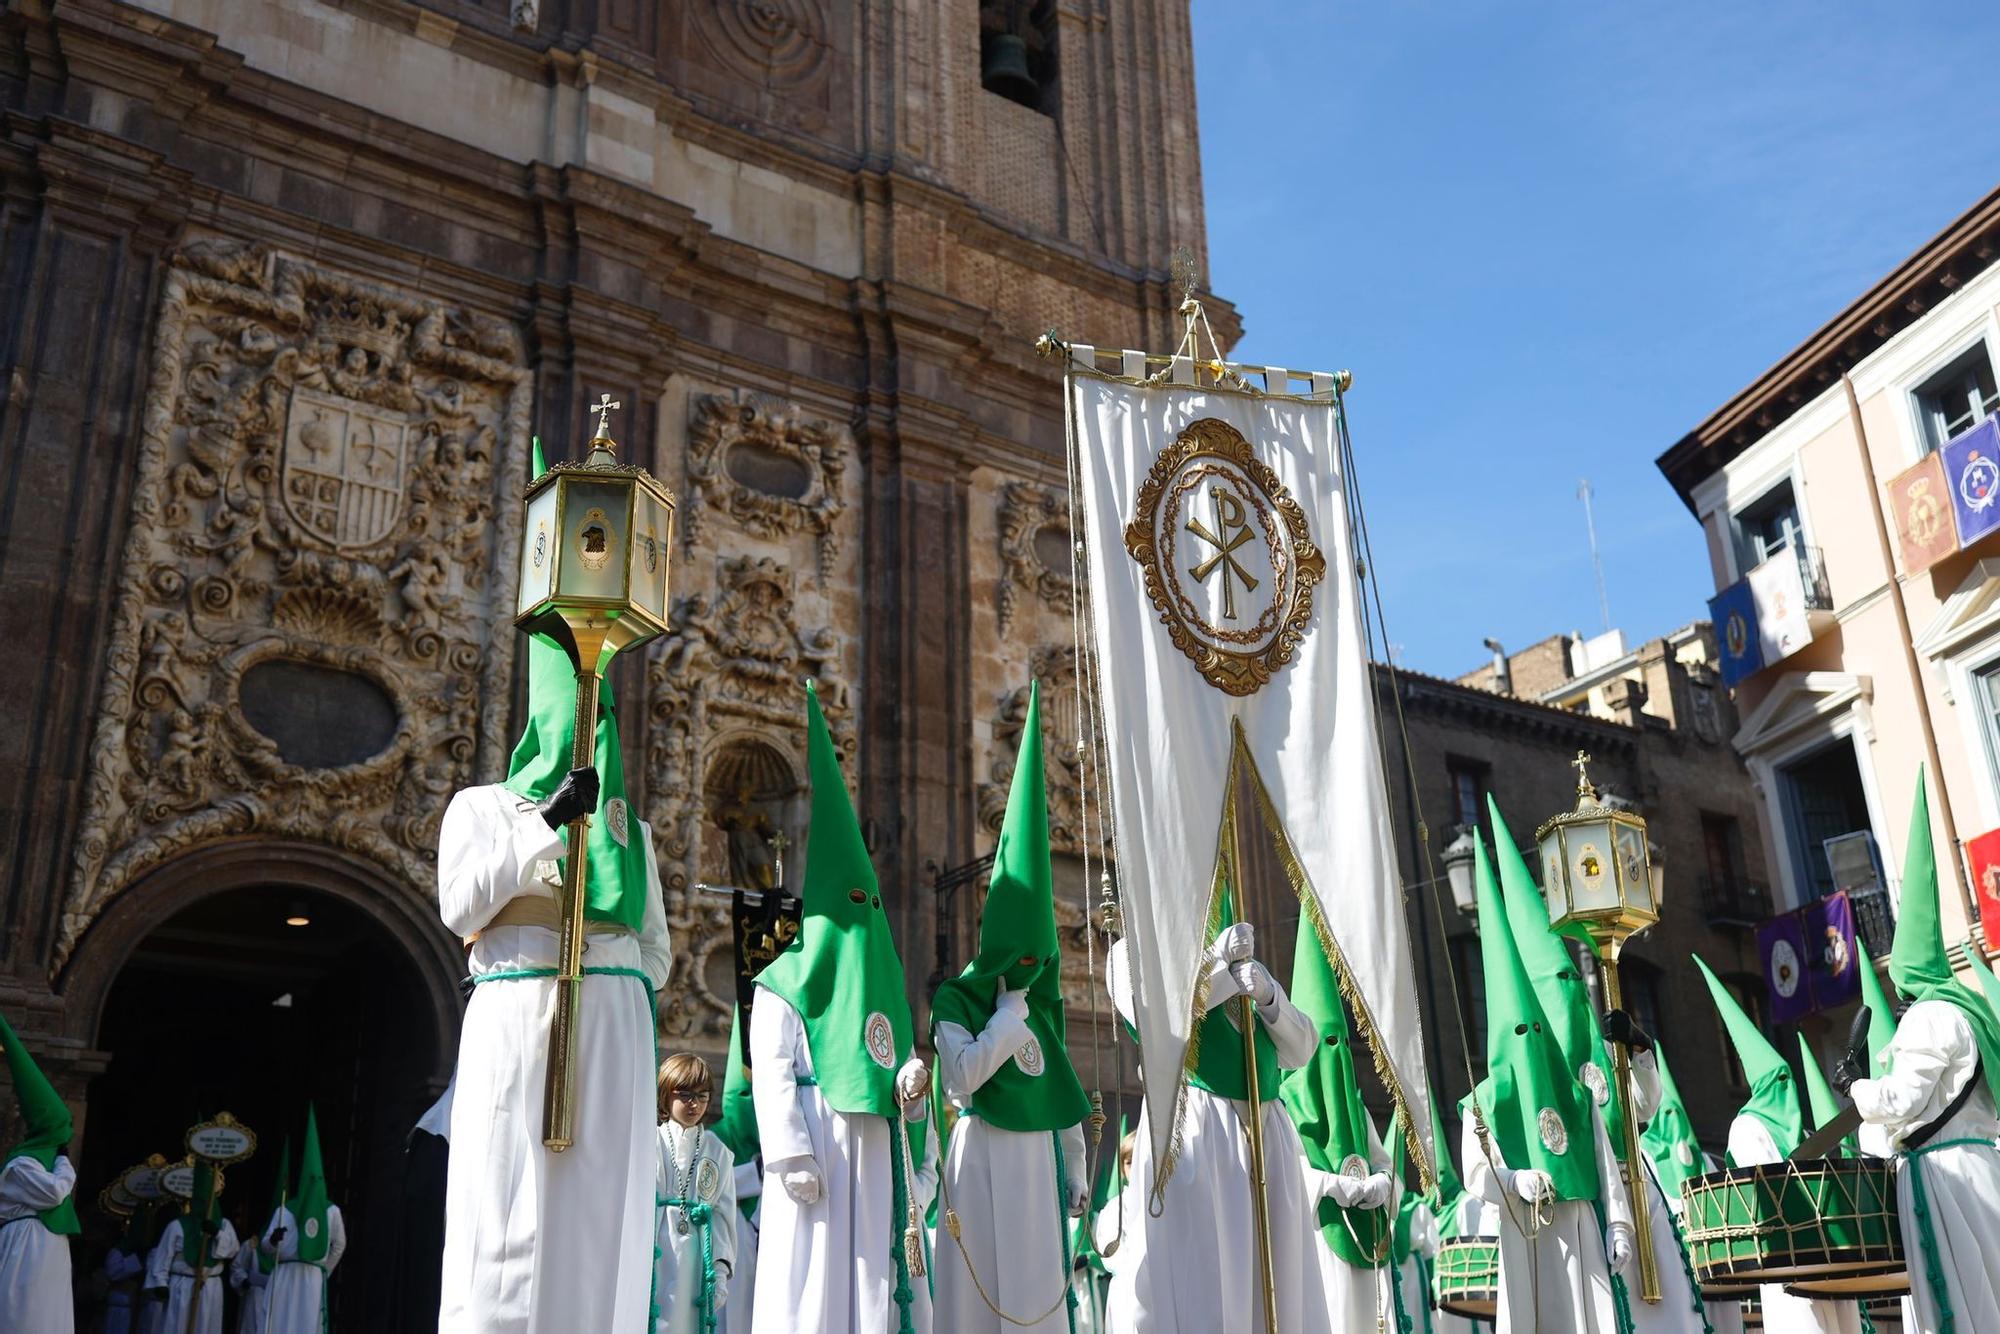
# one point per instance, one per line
(750, 838)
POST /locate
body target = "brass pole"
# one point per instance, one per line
(1635, 1166)
(201, 1256)
(559, 1093)
(1254, 1124)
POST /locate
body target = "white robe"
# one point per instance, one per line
(1724, 1314)
(252, 1285)
(186, 1290)
(826, 1267)
(1679, 1310)
(1751, 1145)
(34, 1262)
(121, 1298)
(1121, 1239)
(1931, 1060)
(1557, 1280)
(298, 1287)
(737, 1312)
(677, 1275)
(1356, 1297)
(539, 1242)
(1012, 1211)
(1197, 1272)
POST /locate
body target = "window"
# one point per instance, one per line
(1471, 991)
(1822, 799)
(1766, 526)
(1468, 791)
(1958, 397)
(1017, 52)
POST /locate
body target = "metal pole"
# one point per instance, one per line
(559, 1093)
(1635, 1167)
(1254, 1125)
(1583, 493)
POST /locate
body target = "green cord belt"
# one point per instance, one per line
(1920, 1203)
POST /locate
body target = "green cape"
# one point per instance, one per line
(309, 1205)
(842, 973)
(1110, 1182)
(1881, 1015)
(1820, 1101)
(202, 1206)
(1669, 1138)
(1218, 1066)
(1535, 1110)
(1558, 985)
(1019, 922)
(1324, 1098)
(45, 1119)
(1918, 965)
(1989, 985)
(1449, 1190)
(1773, 1098)
(736, 1126)
(266, 1260)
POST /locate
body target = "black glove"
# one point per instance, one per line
(574, 797)
(1619, 1027)
(211, 1226)
(1853, 1063)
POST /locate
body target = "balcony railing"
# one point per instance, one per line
(1734, 900)
(1874, 924)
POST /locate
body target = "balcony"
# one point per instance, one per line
(1734, 901)
(1772, 612)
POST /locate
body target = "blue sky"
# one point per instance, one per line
(1549, 239)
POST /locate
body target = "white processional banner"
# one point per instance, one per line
(1226, 602)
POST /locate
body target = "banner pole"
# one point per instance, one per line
(1254, 1126)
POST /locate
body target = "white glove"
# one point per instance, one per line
(1376, 1191)
(1533, 1185)
(801, 1182)
(1618, 1245)
(913, 1081)
(1078, 1197)
(1254, 980)
(1234, 943)
(1011, 1003)
(723, 1273)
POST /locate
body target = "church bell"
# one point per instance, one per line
(1006, 70)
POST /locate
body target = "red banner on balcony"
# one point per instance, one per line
(1925, 528)
(1984, 854)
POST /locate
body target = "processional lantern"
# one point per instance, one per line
(1598, 878)
(595, 551)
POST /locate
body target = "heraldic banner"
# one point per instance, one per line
(1228, 637)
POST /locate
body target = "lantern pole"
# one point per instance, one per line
(559, 1092)
(1635, 1166)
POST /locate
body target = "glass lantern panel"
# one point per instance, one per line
(538, 551)
(1552, 877)
(1593, 878)
(1638, 886)
(596, 540)
(652, 535)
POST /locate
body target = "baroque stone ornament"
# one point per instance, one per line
(730, 670)
(318, 485)
(768, 466)
(1027, 512)
(1228, 561)
(778, 42)
(1067, 772)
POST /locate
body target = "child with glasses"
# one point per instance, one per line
(695, 1223)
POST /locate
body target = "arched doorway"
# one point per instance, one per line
(253, 978)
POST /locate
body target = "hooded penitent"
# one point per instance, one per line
(842, 973)
(1820, 1101)
(1324, 1100)
(1534, 1109)
(1918, 965)
(736, 1127)
(1558, 985)
(1989, 985)
(1669, 1138)
(45, 1123)
(309, 1205)
(203, 1206)
(268, 1260)
(1773, 1098)
(1038, 1089)
(1881, 1015)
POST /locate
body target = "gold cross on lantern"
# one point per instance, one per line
(603, 410)
(1582, 779)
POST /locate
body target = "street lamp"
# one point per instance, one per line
(1458, 860)
(1600, 883)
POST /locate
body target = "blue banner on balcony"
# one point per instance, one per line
(1972, 475)
(1781, 945)
(1733, 612)
(1832, 967)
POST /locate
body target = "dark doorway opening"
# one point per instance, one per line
(255, 1001)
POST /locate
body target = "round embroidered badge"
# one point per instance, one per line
(880, 1039)
(1591, 1076)
(1555, 1135)
(1029, 1058)
(707, 1180)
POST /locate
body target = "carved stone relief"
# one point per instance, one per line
(316, 486)
(1034, 548)
(725, 681)
(778, 43)
(1067, 772)
(769, 467)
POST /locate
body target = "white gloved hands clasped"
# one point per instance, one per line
(913, 1081)
(1618, 1245)
(1369, 1192)
(1377, 1189)
(1533, 1185)
(1254, 980)
(801, 1180)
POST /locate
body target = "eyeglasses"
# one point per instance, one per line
(690, 1096)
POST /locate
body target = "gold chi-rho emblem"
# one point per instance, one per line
(1228, 561)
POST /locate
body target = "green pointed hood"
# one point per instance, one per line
(1537, 1113)
(1773, 1098)
(1989, 985)
(737, 1125)
(1038, 1089)
(1669, 1138)
(1881, 1015)
(1918, 965)
(1217, 1049)
(1820, 1100)
(842, 973)
(203, 1205)
(1558, 985)
(267, 1261)
(537, 465)
(1324, 1098)
(309, 1205)
(45, 1122)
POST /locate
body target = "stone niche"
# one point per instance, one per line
(302, 644)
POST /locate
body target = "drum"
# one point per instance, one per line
(1753, 1313)
(1822, 1228)
(1466, 1280)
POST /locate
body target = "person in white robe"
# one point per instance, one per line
(198, 1287)
(124, 1268)
(736, 1313)
(251, 1285)
(696, 1228)
(1121, 1242)
(1679, 1310)
(37, 1204)
(1196, 1269)
(307, 1235)
(536, 1241)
